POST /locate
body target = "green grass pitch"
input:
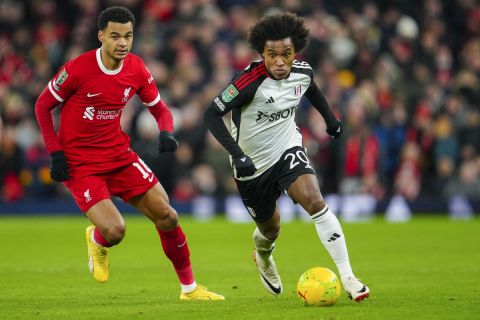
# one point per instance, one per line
(428, 268)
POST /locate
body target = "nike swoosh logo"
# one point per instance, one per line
(150, 179)
(181, 245)
(93, 94)
(271, 286)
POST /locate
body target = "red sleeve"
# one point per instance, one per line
(148, 91)
(150, 96)
(46, 102)
(162, 115)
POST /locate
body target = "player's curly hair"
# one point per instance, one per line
(115, 14)
(276, 27)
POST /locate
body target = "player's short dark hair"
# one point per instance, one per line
(276, 27)
(115, 14)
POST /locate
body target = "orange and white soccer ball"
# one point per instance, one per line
(319, 287)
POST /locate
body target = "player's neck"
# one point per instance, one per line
(109, 62)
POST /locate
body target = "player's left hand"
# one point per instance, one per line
(167, 142)
(59, 168)
(334, 129)
(244, 166)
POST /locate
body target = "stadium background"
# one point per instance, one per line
(403, 76)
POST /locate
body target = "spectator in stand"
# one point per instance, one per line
(361, 152)
(467, 182)
(11, 162)
(417, 52)
(408, 178)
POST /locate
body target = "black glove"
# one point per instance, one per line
(59, 169)
(334, 129)
(244, 166)
(167, 142)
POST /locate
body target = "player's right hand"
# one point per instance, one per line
(59, 169)
(244, 166)
(167, 142)
(334, 129)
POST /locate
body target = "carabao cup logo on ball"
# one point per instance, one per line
(318, 287)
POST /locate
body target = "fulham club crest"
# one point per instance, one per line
(298, 90)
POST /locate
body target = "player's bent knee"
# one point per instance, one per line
(114, 234)
(167, 221)
(314, 205)
(270, 233)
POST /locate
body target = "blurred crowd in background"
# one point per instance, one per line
(403, 76)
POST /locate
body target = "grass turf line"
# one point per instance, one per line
(428, 268)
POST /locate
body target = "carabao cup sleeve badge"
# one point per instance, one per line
(229, 93)
(60, 79)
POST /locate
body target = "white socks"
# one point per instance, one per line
(187, 288)
(331, 235)
(263, 245)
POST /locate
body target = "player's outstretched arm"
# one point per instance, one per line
(316, 98)
(163, 116)
(46, 102)
(243, 164)
(44, 105)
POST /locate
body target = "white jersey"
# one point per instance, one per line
(263, 112)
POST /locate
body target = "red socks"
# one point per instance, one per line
(175, 247)
(99, 239)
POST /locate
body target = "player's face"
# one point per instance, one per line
(278, 56)
(116, 39)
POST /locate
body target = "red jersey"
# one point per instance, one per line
(93, 98)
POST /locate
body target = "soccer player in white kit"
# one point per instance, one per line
(265, 144)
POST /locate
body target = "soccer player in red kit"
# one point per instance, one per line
(92, 156)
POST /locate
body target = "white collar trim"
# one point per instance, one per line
(102, 66)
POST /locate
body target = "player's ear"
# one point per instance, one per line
(100, 36)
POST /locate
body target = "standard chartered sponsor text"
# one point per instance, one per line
(107, 114)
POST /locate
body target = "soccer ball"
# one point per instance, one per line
(319, 287)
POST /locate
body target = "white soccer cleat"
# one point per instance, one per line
(268, 273)
(356, 290)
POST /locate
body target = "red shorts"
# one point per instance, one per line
(125, 182)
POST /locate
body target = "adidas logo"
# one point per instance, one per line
(89, 112)
(334, 237)
(270, 100)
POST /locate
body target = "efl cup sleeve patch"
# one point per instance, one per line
(229, 93)
(60, 79)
